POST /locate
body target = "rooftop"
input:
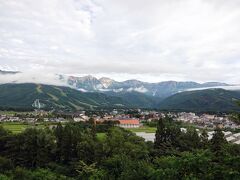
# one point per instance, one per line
(129, 121)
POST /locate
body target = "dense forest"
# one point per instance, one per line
(76, 151)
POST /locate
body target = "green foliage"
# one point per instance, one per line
(38, 174)
(32, 148)
(3, 132)
(4, 177)
(90, 172)
(204, 139)
(218, 142)
(187, 166)
(236, 116)
(68, 138)
(5, 164)
(73, 151)
(120, 141)
(190, 140)
(167, 135)
(88, 148)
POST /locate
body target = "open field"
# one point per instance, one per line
(144, 129)
(16, 127)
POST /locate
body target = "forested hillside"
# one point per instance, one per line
(203, 100)
(22, 96)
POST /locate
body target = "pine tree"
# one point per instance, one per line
(159, 136)
(92, 122)
(167, 137)
(218, 141)
(204, 139)
(59, 138)
(190, 140)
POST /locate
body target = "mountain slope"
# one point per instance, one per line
(22, 96)
(54, 97)
(136, 99)
(202, 100)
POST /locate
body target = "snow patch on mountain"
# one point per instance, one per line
(118, 90)
(82, 90)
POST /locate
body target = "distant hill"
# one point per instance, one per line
(202, 100)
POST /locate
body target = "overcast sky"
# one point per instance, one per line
(150, 40)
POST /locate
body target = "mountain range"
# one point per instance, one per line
(162, 89)
(22, 97)
(89, 92)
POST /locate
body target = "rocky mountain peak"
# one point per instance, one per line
(106, 82)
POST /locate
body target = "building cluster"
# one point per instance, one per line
(206, 120)
(119, 119)
(131, 118)
(27, 119)
(12, 118)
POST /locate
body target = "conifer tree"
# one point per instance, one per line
(204, 139)
(218, 141)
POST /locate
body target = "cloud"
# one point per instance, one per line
(153, 40)
(31, 76)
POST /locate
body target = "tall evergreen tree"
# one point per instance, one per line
(190, 140)
(167, 137)
(204, 139)
(58, 131)
(218, 141)
(160, 134)
(92, 122)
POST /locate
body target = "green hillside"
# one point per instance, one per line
(22, 96)
(137, 99)
(202, 100)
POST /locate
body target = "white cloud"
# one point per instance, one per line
(148, 40)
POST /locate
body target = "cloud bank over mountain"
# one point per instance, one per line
(155, 40)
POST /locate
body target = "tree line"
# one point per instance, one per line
(76, 151)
